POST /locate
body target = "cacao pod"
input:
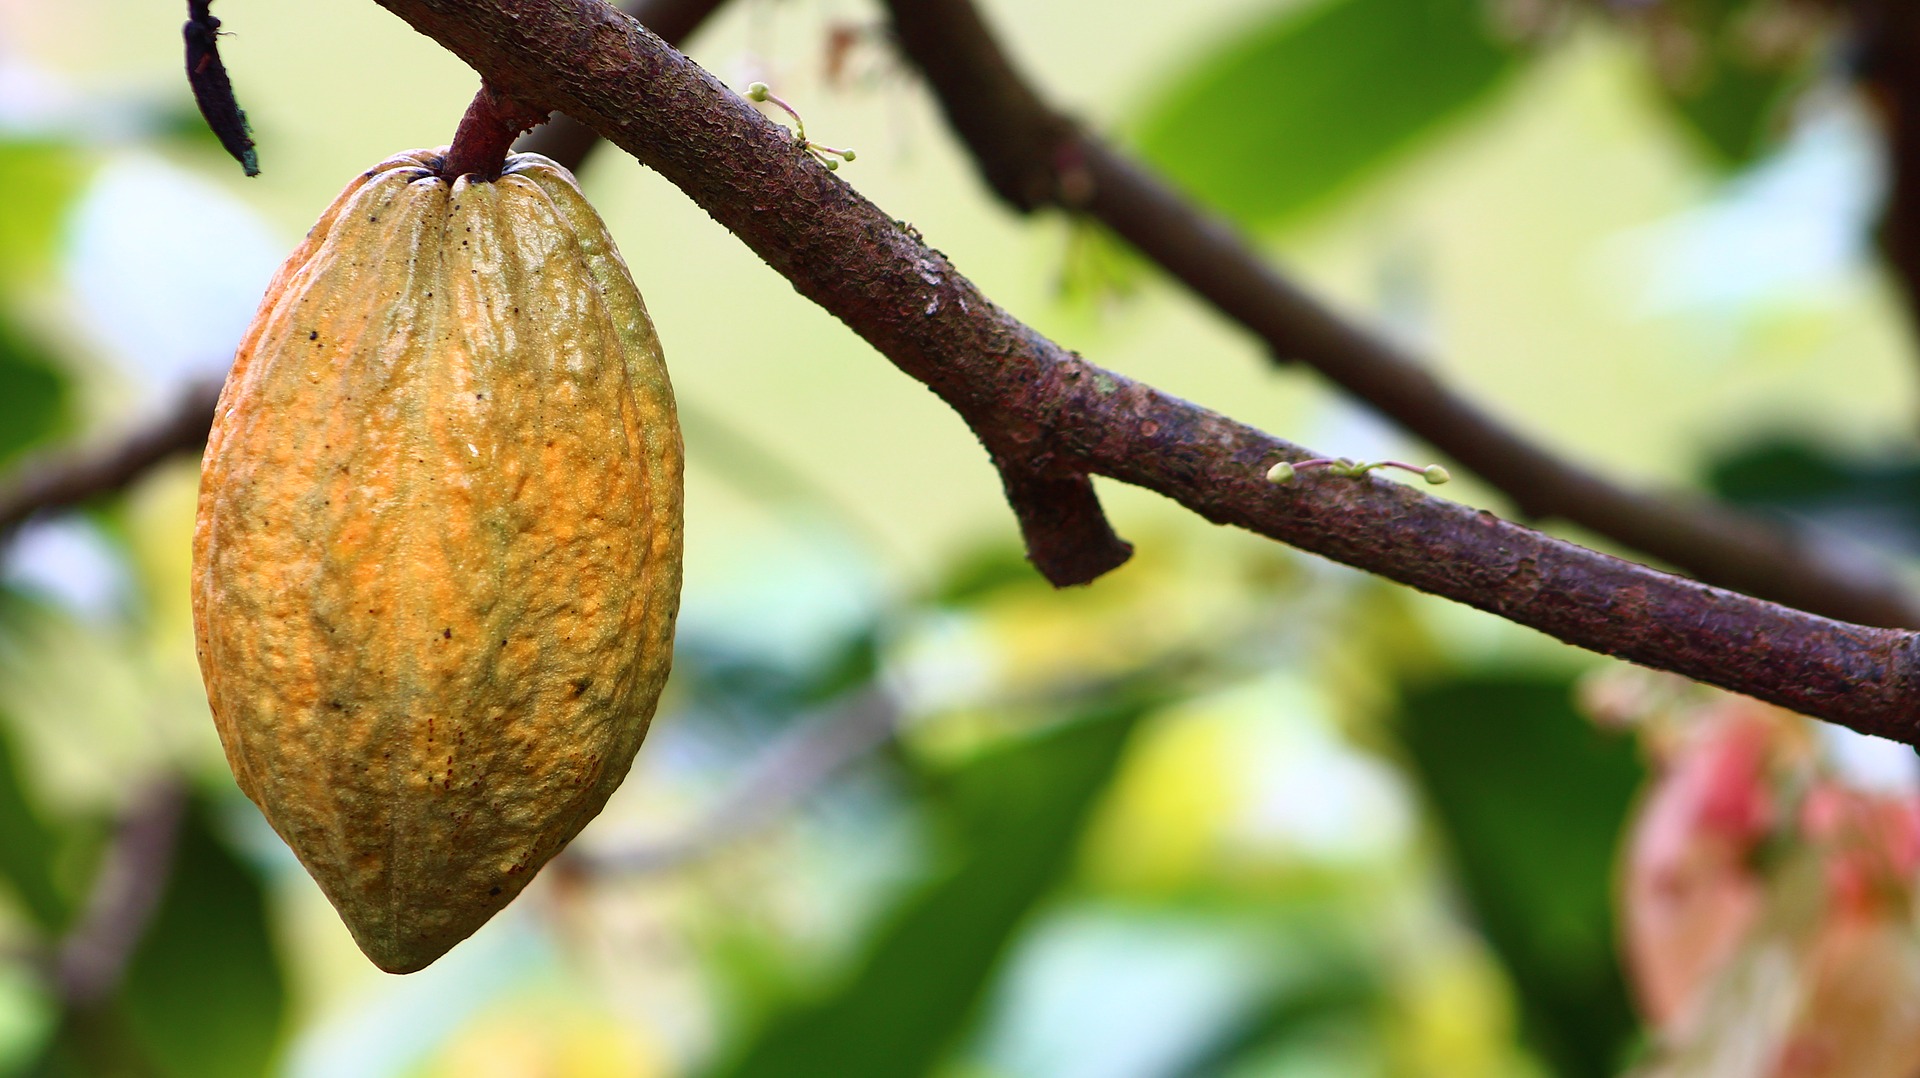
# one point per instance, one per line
(437, 555)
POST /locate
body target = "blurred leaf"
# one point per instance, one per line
(38, 178)
(1734, 111)
(204, 993)
(1290, 111)
(1097, 267)
(1730, 99)
(1873, 500)
(1343, 988)
(28, 848)
(753, 687)
(33, 394)
(93, 1043)
(1016, 816)
(982, 571)
(1532, 799)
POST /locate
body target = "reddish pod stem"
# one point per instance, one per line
(486, 134)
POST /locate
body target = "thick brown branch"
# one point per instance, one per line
(1025, 393)
(1033, 157)
(60, 483)
(1067, 535)
(569, 141)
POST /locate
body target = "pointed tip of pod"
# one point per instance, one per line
(401, 962)
(410, 940)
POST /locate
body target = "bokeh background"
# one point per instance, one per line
(1229, 811)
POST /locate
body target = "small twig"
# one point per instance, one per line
(819, 151)
(212, 90)
(133, 875)
(787, 774)
(79, 477)
(1284, 471)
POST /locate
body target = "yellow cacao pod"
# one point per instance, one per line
(437, 557)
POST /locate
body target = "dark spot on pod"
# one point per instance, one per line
(313, 335)
(581, 685)
(446, 633)
(494, 891)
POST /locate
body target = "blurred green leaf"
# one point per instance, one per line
(1532, 800)
(28, 847)
(1875, 500)
(984, 571)
(38, 178)
(1288, 112)
(1730, 99)
(756, 689)
(1734, 111)
(204, 993)
(1343, 988)
(33, 394)
(1015, 816)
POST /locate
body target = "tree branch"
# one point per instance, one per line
(1029, 398)
(132, 877)
(571, 142)
(63, 482)
(1034, 157)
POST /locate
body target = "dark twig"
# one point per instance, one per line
(570, 142)
(63, 482)
(212, 91)
(1023, 394)
(1033, 157)
(133, 875)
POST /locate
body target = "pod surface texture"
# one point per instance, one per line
(437, 557)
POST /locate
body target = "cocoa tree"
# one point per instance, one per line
(1761, 610)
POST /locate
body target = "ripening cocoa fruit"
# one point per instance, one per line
(437, 558)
